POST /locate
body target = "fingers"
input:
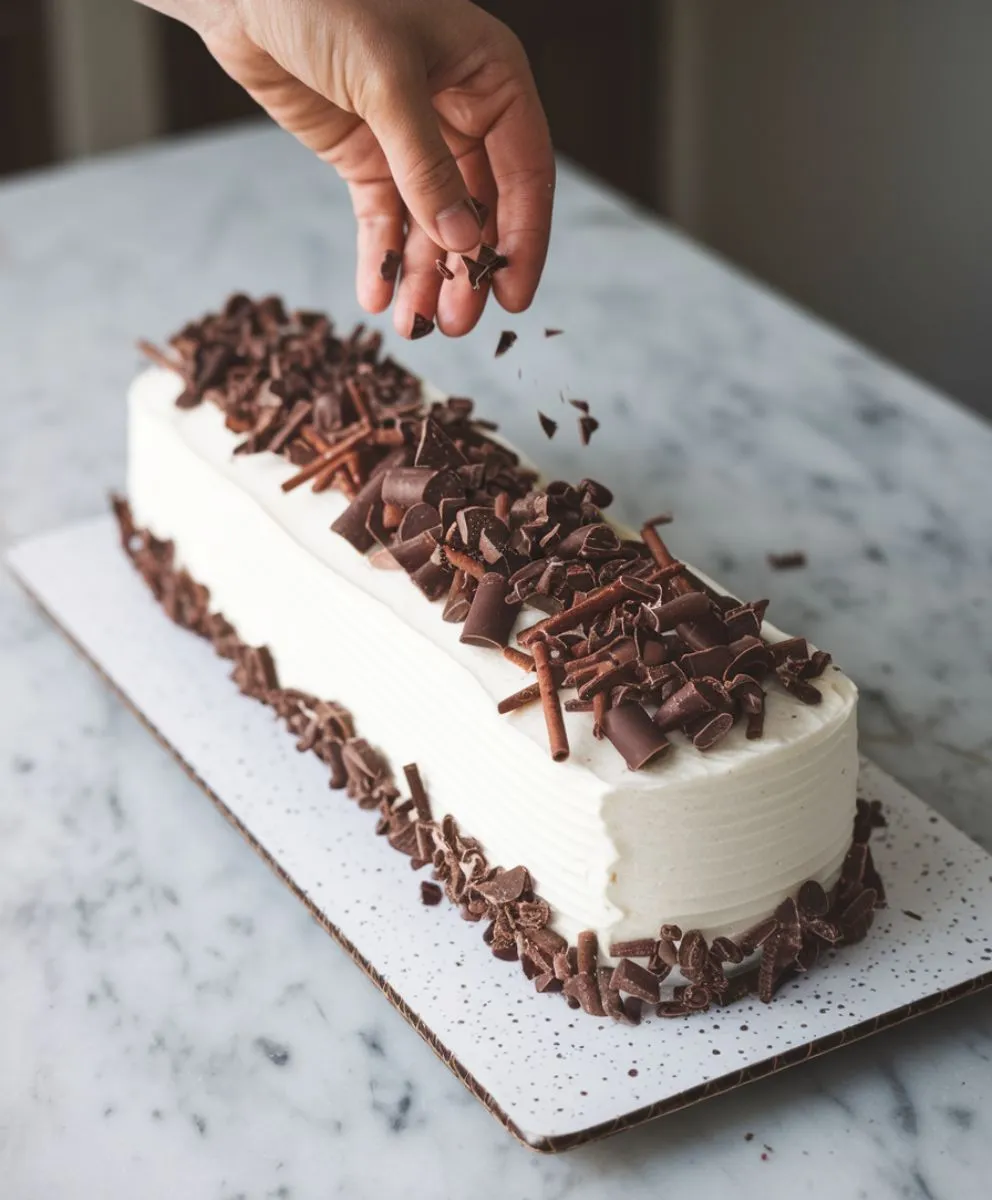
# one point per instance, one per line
(458, 306)
(404, 122)
(380, 216)
(420, 281)
(523, 167)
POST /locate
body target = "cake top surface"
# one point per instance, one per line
(651, 651)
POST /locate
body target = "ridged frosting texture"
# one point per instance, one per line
(711, 841)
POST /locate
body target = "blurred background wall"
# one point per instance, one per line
(839, 149)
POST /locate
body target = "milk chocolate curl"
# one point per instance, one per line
(686, 704)
(518, 658)
(664, 617)
(417, 791)
(490, 618)
(527, 695)
(351, 524)
(588, 951)
(637, 738)
(404, 486)
(557, 737)
(659, 551)
(459, 600)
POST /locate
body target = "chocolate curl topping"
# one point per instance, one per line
(490, 619)
(418, 793)
(685, 705)
(352, 524)
(635, 735)
(405, 486)
(555, 721)
(664, 617)
(456, 607)
(521, 699)
(602, 600)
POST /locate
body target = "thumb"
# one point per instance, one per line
(403, 120)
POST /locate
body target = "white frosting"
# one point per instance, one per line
(711, 841)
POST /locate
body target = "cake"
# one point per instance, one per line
(646, 791)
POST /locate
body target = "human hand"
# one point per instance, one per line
(418, 104)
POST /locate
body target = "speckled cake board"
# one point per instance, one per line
(554, 1077)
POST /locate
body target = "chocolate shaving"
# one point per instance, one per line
(490, 618)
(550, 427)
(421, 327)
(635, 735)
(459, 601)
(430, 893)
(557, 737)
(506, 341)
(587, 427)
(788, 561)
(443, 269)
(389, 268)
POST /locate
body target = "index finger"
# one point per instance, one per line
(523, 166)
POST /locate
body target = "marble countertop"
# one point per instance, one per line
(171, 1021)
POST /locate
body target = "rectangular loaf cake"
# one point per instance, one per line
(257, 432)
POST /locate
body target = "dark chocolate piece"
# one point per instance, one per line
(550, 427)
(421, 327)
(443, 269)
(430, 893)
(788, 561)
(587, 427)
(506, 341)
(389, 268)
(635, 735)
(490, 618)
(553, 332)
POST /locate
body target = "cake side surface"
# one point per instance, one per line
(712, 841)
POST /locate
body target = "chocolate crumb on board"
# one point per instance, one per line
(788, 561)
(506, 341)
(443, 269)
(389, 268)
(550, 427)
(587, 427)
(518, 920)
(421, 327)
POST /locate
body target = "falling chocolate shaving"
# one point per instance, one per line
(550, 427)
(581, 405)
(587, 427)
(421, 327)
(788, 561)
(506, 341)
(443, 269)
(548, 333)
(430, 893)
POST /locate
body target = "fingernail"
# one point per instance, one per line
(458, 227)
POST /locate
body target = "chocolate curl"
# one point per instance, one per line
(659, 551)
(599, 601)
(557, 737)
(456, 607)
(600, 707)
(404, 486)
(334, 457)
(464, 562)
(352, 523)
(519, 659)
(686, 704)
(637, 738)
(690, 607)
(417, 791)
(490, 618)
(521, 699)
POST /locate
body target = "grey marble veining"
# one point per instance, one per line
(171, 1022)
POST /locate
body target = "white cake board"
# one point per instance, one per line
(552, 1076)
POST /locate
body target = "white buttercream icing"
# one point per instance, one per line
(711, 841)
